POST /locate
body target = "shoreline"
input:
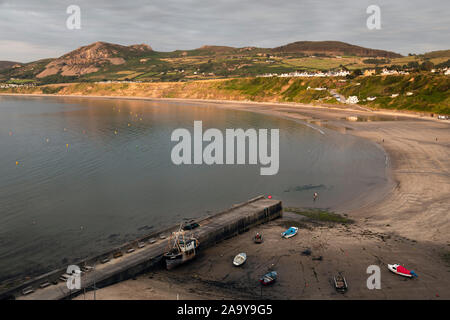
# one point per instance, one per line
(356, 108)
(416, 210)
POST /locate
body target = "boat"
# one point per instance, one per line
(258, 238)
(402, 271)
(240, 259)
(292, 231)
(340, 283)
(182, 248)
(268, 278)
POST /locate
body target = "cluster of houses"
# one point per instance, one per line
(14, 85)
(306, 74)
(445, 71)
(387, 72)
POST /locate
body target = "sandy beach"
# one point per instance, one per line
(409, 223)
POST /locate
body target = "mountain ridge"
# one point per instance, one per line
(104, 61)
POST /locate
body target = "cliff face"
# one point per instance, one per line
(91, 58)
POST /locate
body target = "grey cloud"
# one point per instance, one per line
(407, 26)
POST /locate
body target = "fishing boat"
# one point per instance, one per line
(402, 271)
(268, 278)
(258, 238)
(340, 283)
(182, 248)
(292, 231)
(240, 259)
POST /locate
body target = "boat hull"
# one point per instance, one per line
(173, 261)
(393, 269)
(290, 233)
(240, 259)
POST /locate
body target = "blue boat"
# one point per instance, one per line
(268, 278)
(292, 231)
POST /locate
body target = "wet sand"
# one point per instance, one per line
(410, 225)
(346, 249)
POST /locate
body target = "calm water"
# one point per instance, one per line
(94, 173)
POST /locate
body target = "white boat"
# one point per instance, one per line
(240, 259)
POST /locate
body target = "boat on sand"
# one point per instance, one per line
(268, 278)
(182, 248)
(292, 231)
(240, 259)
(401, 271)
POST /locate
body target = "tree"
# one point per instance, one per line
(427, 66)
(357, 72)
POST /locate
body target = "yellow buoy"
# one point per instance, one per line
(129, 125)
(67, 145)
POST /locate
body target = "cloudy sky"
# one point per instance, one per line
(34, 29)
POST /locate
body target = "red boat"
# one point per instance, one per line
(402, 271)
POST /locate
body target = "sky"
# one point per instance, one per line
(36, 29)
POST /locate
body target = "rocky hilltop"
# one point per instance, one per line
(91, 58)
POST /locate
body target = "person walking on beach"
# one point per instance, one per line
(316, 195)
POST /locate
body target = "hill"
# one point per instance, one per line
(91, 58)
(102, 61)
(8, 64)
(333, 48)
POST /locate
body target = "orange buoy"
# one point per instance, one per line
(17, 163)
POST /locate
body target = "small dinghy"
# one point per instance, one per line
(240, 259)
(340, 283)
(292, 231)
(268, 278)
(402, 271)
(258, 238)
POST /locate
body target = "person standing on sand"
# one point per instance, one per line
(316, 195)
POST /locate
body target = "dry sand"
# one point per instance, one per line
(410, 225)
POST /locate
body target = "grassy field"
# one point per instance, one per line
(319, 215)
